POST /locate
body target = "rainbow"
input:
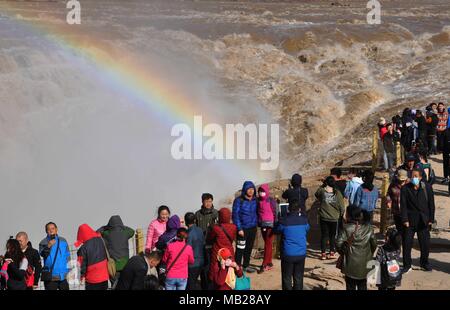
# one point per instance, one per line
(140, 85)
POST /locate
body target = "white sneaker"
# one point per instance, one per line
(407, 270)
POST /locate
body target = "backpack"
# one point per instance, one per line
(391, 273)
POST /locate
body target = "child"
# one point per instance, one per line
(225, 277)
(388, 255)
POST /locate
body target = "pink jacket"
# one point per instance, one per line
(155, 229)
(266, 207)
(180, 269)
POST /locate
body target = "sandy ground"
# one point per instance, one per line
(324, 275)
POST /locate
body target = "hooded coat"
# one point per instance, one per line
(170, 234)
(91, 255)
(360, 252)
(267, 208)
(245, 210)
(296, 192)
(116, 237)
(219, 239)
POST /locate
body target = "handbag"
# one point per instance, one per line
(242, 283)
(46, 274)
(347, 244)
(111, 262)
(163, 272)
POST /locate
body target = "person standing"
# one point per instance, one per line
(116, 236)
(221, 236)
(356, 243)
(296, 192)
(432, 122)
(246, 219)
(178, 256)
(267, 215)
(293, 230)
(156, 228)
(442, 115)
(34, 261)
(14, 267)
(393, 197)
(390, 139)
(341, 183)
(446, 158)
(352, 185)
(417, 211)
(92, 259)
(367, 194)
(206, 218)
(55, 252)
(331, 209)
(196, 240)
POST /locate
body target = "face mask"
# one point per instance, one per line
(228, 262)
(415, 181)
(262, 194)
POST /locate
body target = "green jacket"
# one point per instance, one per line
(331, 208)
(116, 236)
(206, 218)
(360, 252)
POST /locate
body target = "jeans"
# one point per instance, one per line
(292, 270)
(249, 237)
(176, 284)
(385, 159)
(328, 232)
(391, 160)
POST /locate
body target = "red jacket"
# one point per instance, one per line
(92, 255)
(220, 276)
(219, 239)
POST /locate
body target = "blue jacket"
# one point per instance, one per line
(196, 240)
(365, 199)
(351, 188)
(61, 267)
(293, 229)
(245, 211)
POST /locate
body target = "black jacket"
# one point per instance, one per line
(34, 259)
(389, 141)
(133, 275)
(16, 279)
(416, 206)
(432, 122)
(446, 148)
(299, 194)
